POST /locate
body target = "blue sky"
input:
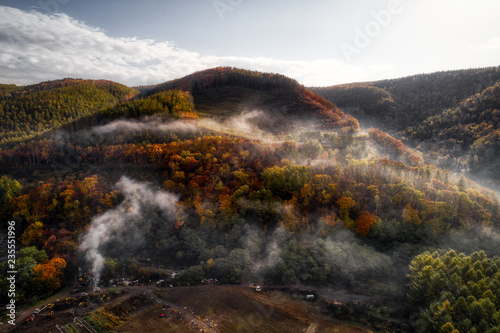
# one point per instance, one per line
(316, 42)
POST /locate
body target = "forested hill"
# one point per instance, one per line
(31, 110)
(466, 137)
(226, 91)
(452, 116)
(333, 209)
(393, 105)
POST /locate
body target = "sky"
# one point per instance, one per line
(316, 42)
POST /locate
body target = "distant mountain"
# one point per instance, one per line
(76, 104)
(227, 91)
(31, 110)
(453, 117)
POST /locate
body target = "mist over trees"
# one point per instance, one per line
(451, 117)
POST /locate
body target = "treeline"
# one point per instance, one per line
(32, 110)
(425, 95)
(455, 292)
(49, 148)
(232, 76)
(170, 104)
(6, 90)
(394, 148)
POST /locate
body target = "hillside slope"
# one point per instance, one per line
(466, 137)
(395, 104)
(30, 110)
(137, 191)
(453, 117)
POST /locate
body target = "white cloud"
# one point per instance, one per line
(37, 47)
(492, 44)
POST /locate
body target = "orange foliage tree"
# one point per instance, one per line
(364, 222)
(33, 235)
(48, 275)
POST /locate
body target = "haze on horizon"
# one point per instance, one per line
(317, 43)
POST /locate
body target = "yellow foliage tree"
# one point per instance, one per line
(33, 235)
(410, 215)
(345, 205)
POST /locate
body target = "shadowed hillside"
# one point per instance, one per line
(393, 105)
(226, 91)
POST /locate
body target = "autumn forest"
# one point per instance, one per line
(385, 189)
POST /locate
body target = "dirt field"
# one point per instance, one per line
(151, 320)
(215, 308)
(242, 309)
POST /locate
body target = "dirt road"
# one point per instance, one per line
(26, 312)
(312, 328)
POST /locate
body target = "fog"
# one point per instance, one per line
(148, 124)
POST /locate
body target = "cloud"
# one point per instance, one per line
(38, 47)
(492, 44)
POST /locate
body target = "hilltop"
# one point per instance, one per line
(220, 93)
(226, 91)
